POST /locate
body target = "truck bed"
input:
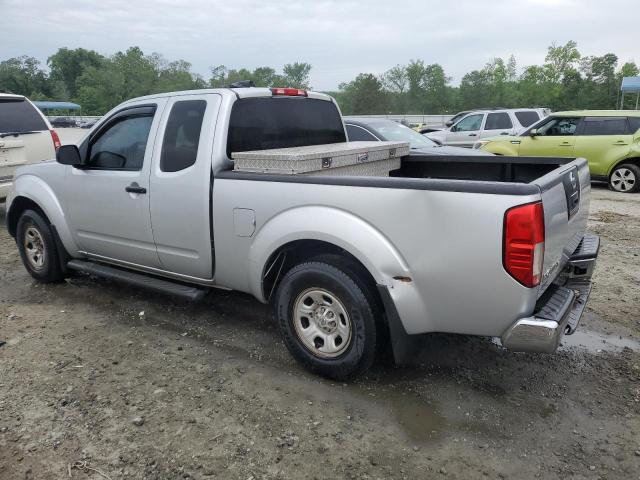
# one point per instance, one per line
(489, 169)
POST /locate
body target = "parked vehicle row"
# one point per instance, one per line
(609, 140)
(481, 124)
(477, 245)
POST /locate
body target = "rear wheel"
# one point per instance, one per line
(37, 247)
(625, 178)
(327, 321)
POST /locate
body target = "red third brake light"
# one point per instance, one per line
(56, 139)
(289, 92)
(523, 253)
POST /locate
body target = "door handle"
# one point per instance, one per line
(135, 188)
(473, 135)
(504, 133)
(565, 144)
(620, 142)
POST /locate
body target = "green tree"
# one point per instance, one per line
(296, 75)
(364, 95)
(66, 66)
(24, 75)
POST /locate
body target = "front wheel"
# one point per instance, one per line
(37, 248)
(326, 320)
(625, 178)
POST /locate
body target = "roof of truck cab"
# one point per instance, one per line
(249, 92)
(598, 113)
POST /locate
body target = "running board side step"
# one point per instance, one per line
(137, 279)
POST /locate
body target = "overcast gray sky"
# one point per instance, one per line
(339, 38)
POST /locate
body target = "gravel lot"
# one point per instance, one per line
(100, 380)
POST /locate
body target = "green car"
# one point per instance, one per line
(609, 140)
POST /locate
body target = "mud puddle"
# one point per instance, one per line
(594, 342)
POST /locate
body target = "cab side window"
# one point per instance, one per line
(182, 135)
(359, 134)
(468, 124)
(122, 145)
(605, 126)
(559, 126)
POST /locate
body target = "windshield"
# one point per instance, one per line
(396, 132)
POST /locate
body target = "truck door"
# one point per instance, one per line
(554, 138)
(181, 181)
(107, 201)
(465, 132)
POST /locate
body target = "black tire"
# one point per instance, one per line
(362, 316)
(34, 230)
(625, 178)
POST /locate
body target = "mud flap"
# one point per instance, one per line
(405, 347)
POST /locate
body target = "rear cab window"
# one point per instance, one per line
(18, 115)
(264, 123)
(527, 118)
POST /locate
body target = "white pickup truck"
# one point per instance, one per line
(490, 246)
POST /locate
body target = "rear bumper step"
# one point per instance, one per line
(559, 310)
(137, 279)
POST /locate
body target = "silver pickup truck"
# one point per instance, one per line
(490, 246)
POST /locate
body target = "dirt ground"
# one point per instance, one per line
(100, 380)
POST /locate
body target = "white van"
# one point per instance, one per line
(26, 136)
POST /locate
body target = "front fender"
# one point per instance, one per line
(501, 148)
(35, 189)
(328, 224)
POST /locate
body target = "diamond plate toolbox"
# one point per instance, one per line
(335, 159)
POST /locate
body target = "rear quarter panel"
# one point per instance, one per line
(449, 243)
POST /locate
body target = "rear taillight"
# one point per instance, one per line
(56, 139)
(289, 92)
(523, 253)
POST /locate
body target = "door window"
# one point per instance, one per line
(182, 135)
(122, 145)
(498, 121)
(527, 118)
(468, 124)
(359, 134)
(605, 126)
(560, 126)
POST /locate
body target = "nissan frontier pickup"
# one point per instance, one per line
(489, 246)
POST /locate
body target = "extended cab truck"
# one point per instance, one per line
(490, 246)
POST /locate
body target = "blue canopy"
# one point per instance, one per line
(630, 84)
(57, 105)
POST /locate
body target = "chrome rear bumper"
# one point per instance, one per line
(559, 310)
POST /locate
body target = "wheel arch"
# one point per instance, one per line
(632, 160)
(30, 191)
(323, 230)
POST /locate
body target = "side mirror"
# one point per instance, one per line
(68, 155)
(533, 132)
(448, 123)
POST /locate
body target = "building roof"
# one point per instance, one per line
(57, 105)
(630, 84)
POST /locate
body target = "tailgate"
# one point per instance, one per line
(12, 155)
(565, 198)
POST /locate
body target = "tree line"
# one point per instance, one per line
(566, 80)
